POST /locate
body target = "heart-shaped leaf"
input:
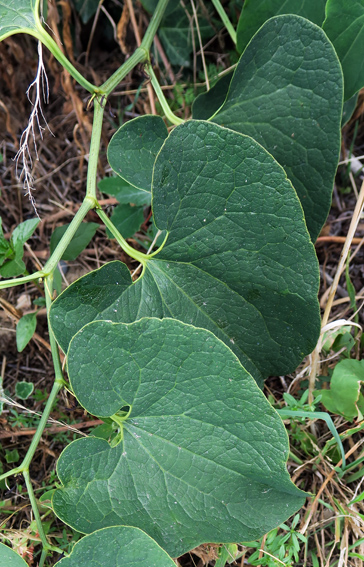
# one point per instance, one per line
(134, 147)
(344, 27)
(23, 390)
(9, 558)
(25, 329)
(256, 12)
(18, 16)
(121, 546)
(344, 396)
(287, 93)
(202, 456)
(238, 258)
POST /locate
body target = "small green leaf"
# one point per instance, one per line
(206, 104)
(25, 329)
(344, 27)
(11, 456)
(9, 558)
(124, 192)
(286, 93)
(15, 266)
(201, 440)
(121, 546)
(18, 16)
(344, 394)
(127, 220)
(24, 231)
(256, 12)
(86, 9)
(83, 236)
(23, 390)
(5, 248)
(134, 147)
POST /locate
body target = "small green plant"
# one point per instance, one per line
(173, 363)
(280, 547)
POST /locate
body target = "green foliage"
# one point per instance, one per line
(25, 329)
(344, 396)
(126, 219)
(8, 557)
(348, 109)
(344, 27)
(18, 17)
(23, 390)
(86, 9)
(176, 36)
(190, 450)
(279, 548)
(206, 104)
(124, 192)
(205, 189)
(11, 253)
(118, 547)
(286, 93)
(133, 149)
(256, 12)
(149, 366)
(11, 456)
(82, 238)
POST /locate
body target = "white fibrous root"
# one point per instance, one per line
(23, 157)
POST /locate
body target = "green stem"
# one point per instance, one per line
(154, 24)
(35, 509)
(88, 204)
(49, 42)
(162, 99)
(99, 105)
(141, 55)
(225, 20)
(139, 256)
(43, 558)
(24, 279)
(41, 426)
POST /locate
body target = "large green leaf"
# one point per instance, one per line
(134, 147)
(176, 35)
(202, 456)
(256, 12)
(121, 546)
(18, 16)
(8, 557)
(287, 94)
(344, 27)
(238, 258)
